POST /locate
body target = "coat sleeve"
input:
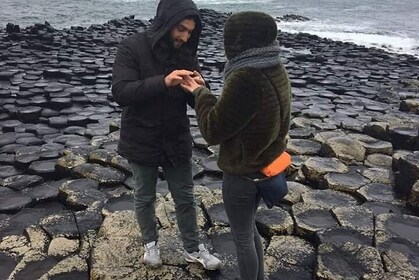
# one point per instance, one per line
(127, 87)
(190, 99)
(221, 119)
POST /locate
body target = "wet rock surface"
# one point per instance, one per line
(290, 257)
(348, 261)
(66, 207)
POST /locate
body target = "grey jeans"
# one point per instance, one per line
(241, 200)
(180, 184)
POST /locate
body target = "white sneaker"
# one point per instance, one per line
(152, 254)
(209, 261)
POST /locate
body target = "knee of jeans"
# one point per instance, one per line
(244, 238)
(183, 198)
(179, 205)
(243, 246)
(144, 200)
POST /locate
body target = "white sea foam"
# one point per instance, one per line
(231, 2)
(361, 35)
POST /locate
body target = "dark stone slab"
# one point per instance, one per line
(349, 182)
(12, 201)
(401, 265)
(35, 269)
(7, 138)
(328, 198)
(217, 215)
(29, 141)
(80, 200)
(25, 160)
(20, 221)
(383, 208)
(210, 166)
(311, 218)
(274, 221)
(70, 186)
(341, 261)
(6, 159)
(104, 175)
(303, 147)
(162, 187)
(405, 138)
(78, 120)
(29, 114)
(88, 220)
(355, 217)
(76, 141)
(121, 164)
(42, 130)
(61, 102)
(197, 170)
(124, 202)
(390, 226)
(58, 122)
(223, 244)
(302, 133)
(8, 170)
(65, 164)
(341, 235)
(289, 257)
(27, 150)
(102, 156)
(62, 224)
(20, 182)
(44, 168)
(214, 185)
(83, 150)
(377, 192)
(8, 263)
(9, 125)
(45, 192)
(315, 168)
(408, 164)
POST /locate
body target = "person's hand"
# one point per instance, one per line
(189, 84)
(198, 78)
(176, 77)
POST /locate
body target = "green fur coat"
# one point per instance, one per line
(250, 120)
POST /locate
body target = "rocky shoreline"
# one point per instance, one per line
(65, 195)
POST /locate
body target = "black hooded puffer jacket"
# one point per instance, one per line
(154, 124)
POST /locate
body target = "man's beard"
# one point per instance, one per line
(177, 44)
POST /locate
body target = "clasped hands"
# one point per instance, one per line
(188, 80)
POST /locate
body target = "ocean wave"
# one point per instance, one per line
(230, 2)
(360, 35)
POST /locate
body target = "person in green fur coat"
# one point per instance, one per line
(250, 121)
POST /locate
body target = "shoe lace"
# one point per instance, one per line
(152, 250)
(205, 254)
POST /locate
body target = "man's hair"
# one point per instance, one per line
(191, 17)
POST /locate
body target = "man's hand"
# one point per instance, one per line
(189, 84)
(198, 78)
(176, 77)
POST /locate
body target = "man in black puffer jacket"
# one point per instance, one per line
(148, 69)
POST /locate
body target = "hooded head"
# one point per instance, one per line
(174, 19)
(248, 30)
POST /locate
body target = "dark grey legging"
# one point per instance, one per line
(241, 201)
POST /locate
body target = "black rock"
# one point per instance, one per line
(12, 201)
(43, 192)
(8, 264)
(20, 182)
(20, 221)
